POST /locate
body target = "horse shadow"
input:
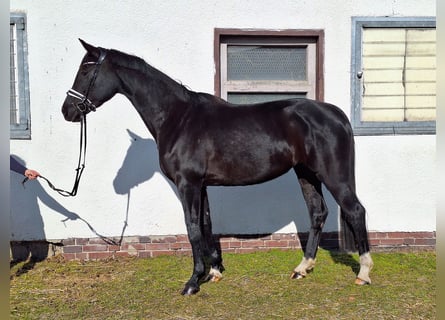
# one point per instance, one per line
(242, 212)
(140, 164)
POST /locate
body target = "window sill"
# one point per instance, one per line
(376, 129)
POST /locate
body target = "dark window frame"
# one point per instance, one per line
(221, 34)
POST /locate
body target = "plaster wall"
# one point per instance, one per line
(122, 180)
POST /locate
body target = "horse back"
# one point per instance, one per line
(224, 144)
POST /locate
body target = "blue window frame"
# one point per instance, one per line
(393, 75)
(20, 120)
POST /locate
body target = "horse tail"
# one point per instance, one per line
(347, 238)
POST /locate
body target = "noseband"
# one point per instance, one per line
(85, 105)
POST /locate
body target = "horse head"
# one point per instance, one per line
(140, 164)
(94, 84)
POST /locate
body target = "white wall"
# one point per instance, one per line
(395, 174)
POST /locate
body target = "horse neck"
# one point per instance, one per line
(155, 96)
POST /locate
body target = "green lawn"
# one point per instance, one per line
(255, 286)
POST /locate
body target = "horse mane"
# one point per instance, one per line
(136, 63)
(129, 61)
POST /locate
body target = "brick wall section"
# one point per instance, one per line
(152, 246)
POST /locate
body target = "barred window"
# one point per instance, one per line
(394, 75)
(20, 126)
(257, 66)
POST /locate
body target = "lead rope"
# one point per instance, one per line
(79, 171)
(80, 163)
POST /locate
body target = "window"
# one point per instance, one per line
(19, 84)
(393, 79)
(257, 66)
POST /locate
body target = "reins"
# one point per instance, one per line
(84, 105)
(79, 171)
(80, 163)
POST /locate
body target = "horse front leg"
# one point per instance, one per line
(213, 252)
(192, 203)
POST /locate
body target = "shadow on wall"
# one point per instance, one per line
(28, 239)
(259, 209)
(140, 164)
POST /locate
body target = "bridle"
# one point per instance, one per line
(84, 106)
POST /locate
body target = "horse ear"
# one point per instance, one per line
(88, 47)
(133, 135)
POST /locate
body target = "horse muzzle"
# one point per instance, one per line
(71, 113)
(73, 110)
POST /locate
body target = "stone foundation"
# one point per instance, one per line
(153, 246)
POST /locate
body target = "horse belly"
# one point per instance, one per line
(248, 164)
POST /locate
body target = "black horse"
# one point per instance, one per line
(206, 141)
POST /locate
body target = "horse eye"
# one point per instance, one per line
(85, 68)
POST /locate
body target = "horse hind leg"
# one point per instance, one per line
(213, 248)
(318, 212)
(335, 167)
(354, 215)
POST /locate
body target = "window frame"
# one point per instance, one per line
(381, 128)
(270, 37)
(21, 130)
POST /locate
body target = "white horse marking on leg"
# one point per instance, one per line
(366, 265)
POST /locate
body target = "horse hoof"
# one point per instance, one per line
(216, 278)
(213, 277)
(360, 282)
(188, 291)
(296, 275)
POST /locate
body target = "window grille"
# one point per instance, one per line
(263, 66)
(266, 63)
(394, 76)
(19, 83)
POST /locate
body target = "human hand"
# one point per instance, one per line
(31, 174)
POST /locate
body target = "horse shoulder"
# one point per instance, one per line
(181, 143)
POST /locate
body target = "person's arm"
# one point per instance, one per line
(21, 169)
(16, 166)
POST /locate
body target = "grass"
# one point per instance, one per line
(255, 286)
